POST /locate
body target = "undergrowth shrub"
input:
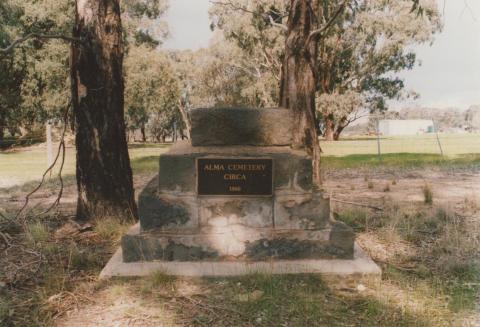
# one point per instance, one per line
(427, 194)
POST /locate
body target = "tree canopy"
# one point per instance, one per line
(358, 55)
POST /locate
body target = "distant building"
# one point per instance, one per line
(405, 127)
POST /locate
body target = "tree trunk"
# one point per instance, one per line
(298, 81)
(144, 135)
(2, 126)
(329, 128)
(341, 126)
(185, 118)
(104, 176)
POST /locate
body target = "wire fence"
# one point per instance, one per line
(429, 143)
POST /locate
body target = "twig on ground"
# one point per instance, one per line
(6, 239)
(357, 204)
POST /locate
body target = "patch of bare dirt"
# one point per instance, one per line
(374, 188)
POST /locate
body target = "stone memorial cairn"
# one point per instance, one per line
(236, 191)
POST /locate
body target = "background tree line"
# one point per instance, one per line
(357, 61)
(35, 81)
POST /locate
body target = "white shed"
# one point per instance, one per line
(391, 127)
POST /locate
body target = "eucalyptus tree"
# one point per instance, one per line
(152, 92)
(104, 175)
(256, 29)
(361, 53)
(360, 45)
(11, 69)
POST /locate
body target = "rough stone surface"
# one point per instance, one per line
(251, 212)
(342, 239)
(177, 224)
(286, 248)
(360, 267)
(166, 211)
(241, 126)
(179, 173)
(309, 211)
(292, 170)
(146, 248)
(234, 242)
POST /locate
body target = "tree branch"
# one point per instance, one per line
(325, 27)
(41, 37)
(283, 27)
(232, 5)
(61, 149)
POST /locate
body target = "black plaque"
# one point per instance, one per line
(219, 176)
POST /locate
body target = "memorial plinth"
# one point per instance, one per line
(235, 193)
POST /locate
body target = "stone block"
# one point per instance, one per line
(177, 173)
(287, 248)
(166, 211)
(310, 211)
(250, 212)
(241, 126)
(233, 242)
(342, 240)
(292, 172)
(149, 248)
(292, 169)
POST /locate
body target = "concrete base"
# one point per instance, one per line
(361, 266)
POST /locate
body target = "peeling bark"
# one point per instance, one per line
(104, 175)
(329, 127)
(298, 81)
(185, 119)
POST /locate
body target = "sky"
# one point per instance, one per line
(449, 74)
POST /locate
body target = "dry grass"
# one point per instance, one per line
(429, 256)
(427, 194)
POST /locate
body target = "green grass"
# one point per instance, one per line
(300, 300)
(38, 232)
(26, 167)
(400, 160)
(452, 144)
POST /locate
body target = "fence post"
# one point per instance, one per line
(378, 140)
(174, 132)
(435, 127)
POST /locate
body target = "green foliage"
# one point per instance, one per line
(34, 78)
(358, 56)
(37, 232)
(141, 22)
(364, 50)
(11, 70)
(257, 46)
(152, 92)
